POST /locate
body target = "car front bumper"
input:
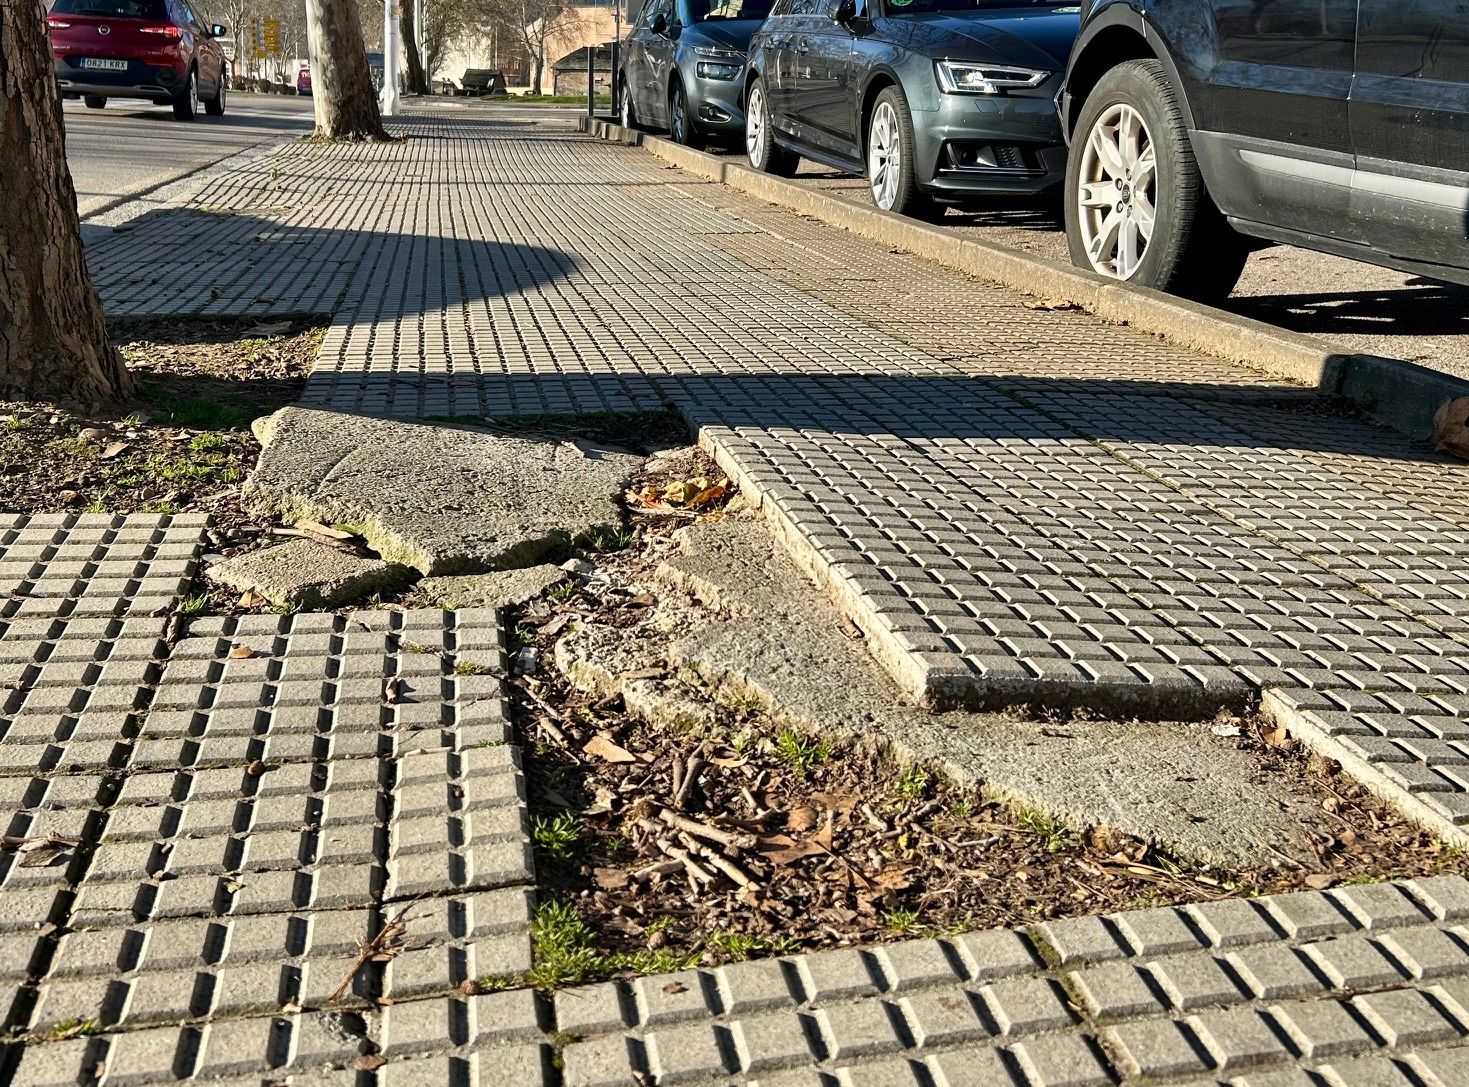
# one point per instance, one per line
(990, 145)
(715, 103)
(138, 80)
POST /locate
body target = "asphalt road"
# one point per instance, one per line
(1361, 307)
(131, 147)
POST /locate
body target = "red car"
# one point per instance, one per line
(303, 80)
(153, 49)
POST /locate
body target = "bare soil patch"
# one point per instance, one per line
(727, 837)
(183, 443)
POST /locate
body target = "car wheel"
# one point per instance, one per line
(626, 116)
(186, 105)
(94, 101)
(765, 154)
(890, 157)
(1136, 206)
(215, 106)
(681, 125)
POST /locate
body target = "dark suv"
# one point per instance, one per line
(1201, 128)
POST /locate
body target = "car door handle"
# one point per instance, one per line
(803, 45)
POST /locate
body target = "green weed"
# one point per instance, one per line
(73, 1028)
(900, 922)
(912, 784)
(801, 753)
(1054, 836)
(557, 837)
(565, 952)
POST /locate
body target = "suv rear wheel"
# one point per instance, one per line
(1136, 208)
(626, 117)
(94, 101)
(765, 154)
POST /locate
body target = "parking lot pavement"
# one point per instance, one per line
(1362, 307)
(133, 146)
(1016, 504)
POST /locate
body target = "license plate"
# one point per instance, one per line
(109, 65)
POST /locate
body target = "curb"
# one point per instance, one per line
(1402, 395)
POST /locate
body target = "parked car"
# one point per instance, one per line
(681, 67)
(935, 101)
(1201, 129)
(303, 80)
(153, 49)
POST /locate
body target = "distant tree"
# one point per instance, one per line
(417, 78)
(53, 336)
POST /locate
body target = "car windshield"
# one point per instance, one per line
(929, 7)
(718, 11)
(113, 9)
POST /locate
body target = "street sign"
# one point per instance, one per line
(272, 35)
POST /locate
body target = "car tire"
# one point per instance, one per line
(681, 124)
(186, 105)
(215, 106)
(1135, 202)
(94, 101)
(891, 178)
(626, 114)
(764, 153)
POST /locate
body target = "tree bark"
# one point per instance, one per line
(53, 336)
(417, 84)
(341, 81)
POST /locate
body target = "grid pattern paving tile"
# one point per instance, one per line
(1347, 987)
(293, 789)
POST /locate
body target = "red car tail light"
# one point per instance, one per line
(57, 24)
(167, 31)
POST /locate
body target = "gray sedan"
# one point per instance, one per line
(681, 67)
(935, 101)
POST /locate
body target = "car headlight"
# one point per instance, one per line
(725, 64)
(958, 77)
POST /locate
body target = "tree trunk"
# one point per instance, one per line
(53, 337)
(341, 81)
(416, 82)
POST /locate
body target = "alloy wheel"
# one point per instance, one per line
(625, 101)
(1116, 192)
(680, 115)
(193, 93)
(755, 126)
(884, 156)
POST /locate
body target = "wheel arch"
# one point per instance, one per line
(878, 81)
(1116, 34)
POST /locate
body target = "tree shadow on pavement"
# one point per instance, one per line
(189, 262)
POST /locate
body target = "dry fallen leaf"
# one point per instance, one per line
(112, 450)
(323, 530)
(251, 599)
(601, 746)
(783, 849)
(610, 879)
(1320, 881)
(369, 1062)
(1050, 304)
(801, 818)
(241, 652)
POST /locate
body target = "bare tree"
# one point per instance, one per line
(53, 336)
(417, 79)
(341, 82)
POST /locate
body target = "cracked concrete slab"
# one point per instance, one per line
(741, 617)
(442, 499)
(501, 589)
(306, 574)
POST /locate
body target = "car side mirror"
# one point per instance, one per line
(217, 31)
(847, 16)
(660, 25)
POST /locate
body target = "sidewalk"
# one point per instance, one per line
(1016, 505)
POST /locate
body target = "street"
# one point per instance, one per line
(132, 146)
